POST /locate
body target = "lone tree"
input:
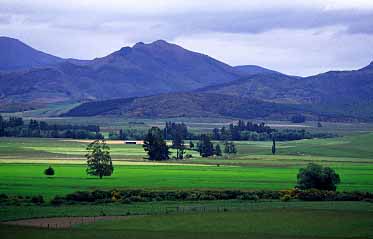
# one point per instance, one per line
(49, 171)
(317, 177)
(205, 147)
(98, 159)
(273, 146)
(155, 146)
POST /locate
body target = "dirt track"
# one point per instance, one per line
(61, 222)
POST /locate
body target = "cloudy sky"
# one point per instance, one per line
(295, 37)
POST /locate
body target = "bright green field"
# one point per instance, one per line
(27, 179)
(22, 162)
(259, 220)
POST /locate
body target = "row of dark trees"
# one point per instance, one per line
(157, 149)
(234, 132)
(261, 132)
(125, 134)
(206, 148)
(17, 127)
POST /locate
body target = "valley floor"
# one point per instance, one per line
(23, 160)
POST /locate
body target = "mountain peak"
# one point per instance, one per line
(160, 42)
(368, 67)
(17, 55)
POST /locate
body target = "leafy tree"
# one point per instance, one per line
(229, 148)
(98, 159)
(49, 171)
(317, 177)
(155, 146)
(273, 146)
(172, 129)
(178, 144)
(218, 150)
(205, 147)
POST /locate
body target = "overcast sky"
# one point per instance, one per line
(295, 37)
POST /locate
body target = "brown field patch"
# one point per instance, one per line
(61, 222)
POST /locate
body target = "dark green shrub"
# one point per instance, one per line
(80, 196)
(100, 195)
(49, 171)
(57, 201)
(3, 197)
(37, 199)
(137, 199)
(317, 177)
(249, 196)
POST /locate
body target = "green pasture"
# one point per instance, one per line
(238, 220)
(28, 179)
(22, 161)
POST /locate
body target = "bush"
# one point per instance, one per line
(80, 196)
(57, 201)
(249, 196)
(49, 171)
(285, 198)
(37, 199)
(317, 177)
(3, 197)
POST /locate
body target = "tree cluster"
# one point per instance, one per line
(125, 134)
(206, 148)
(155, 146)
(16, 127)
(261, 132)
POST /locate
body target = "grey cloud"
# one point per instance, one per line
(196, 20)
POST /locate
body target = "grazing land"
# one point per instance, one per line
(23, 160)
(238, 220)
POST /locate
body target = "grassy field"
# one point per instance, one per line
(22, 162)
(240, 220)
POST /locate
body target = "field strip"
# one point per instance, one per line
(79, 161)
(61, 222)
(121, 142)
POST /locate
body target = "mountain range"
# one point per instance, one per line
(137, 81)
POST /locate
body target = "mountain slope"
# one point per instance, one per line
(16, 55)
(186, 105)
(329, 87)
(254, 70)
(144, 69)
(343, 92)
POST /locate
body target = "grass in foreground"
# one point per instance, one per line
(242, 220)
(28, 179)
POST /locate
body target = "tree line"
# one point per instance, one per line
(17, 127)
(156, 147)
(261, 132)
(245, 131)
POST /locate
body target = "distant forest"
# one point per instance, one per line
(240, 131)
(261, 132)
(17, 127)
